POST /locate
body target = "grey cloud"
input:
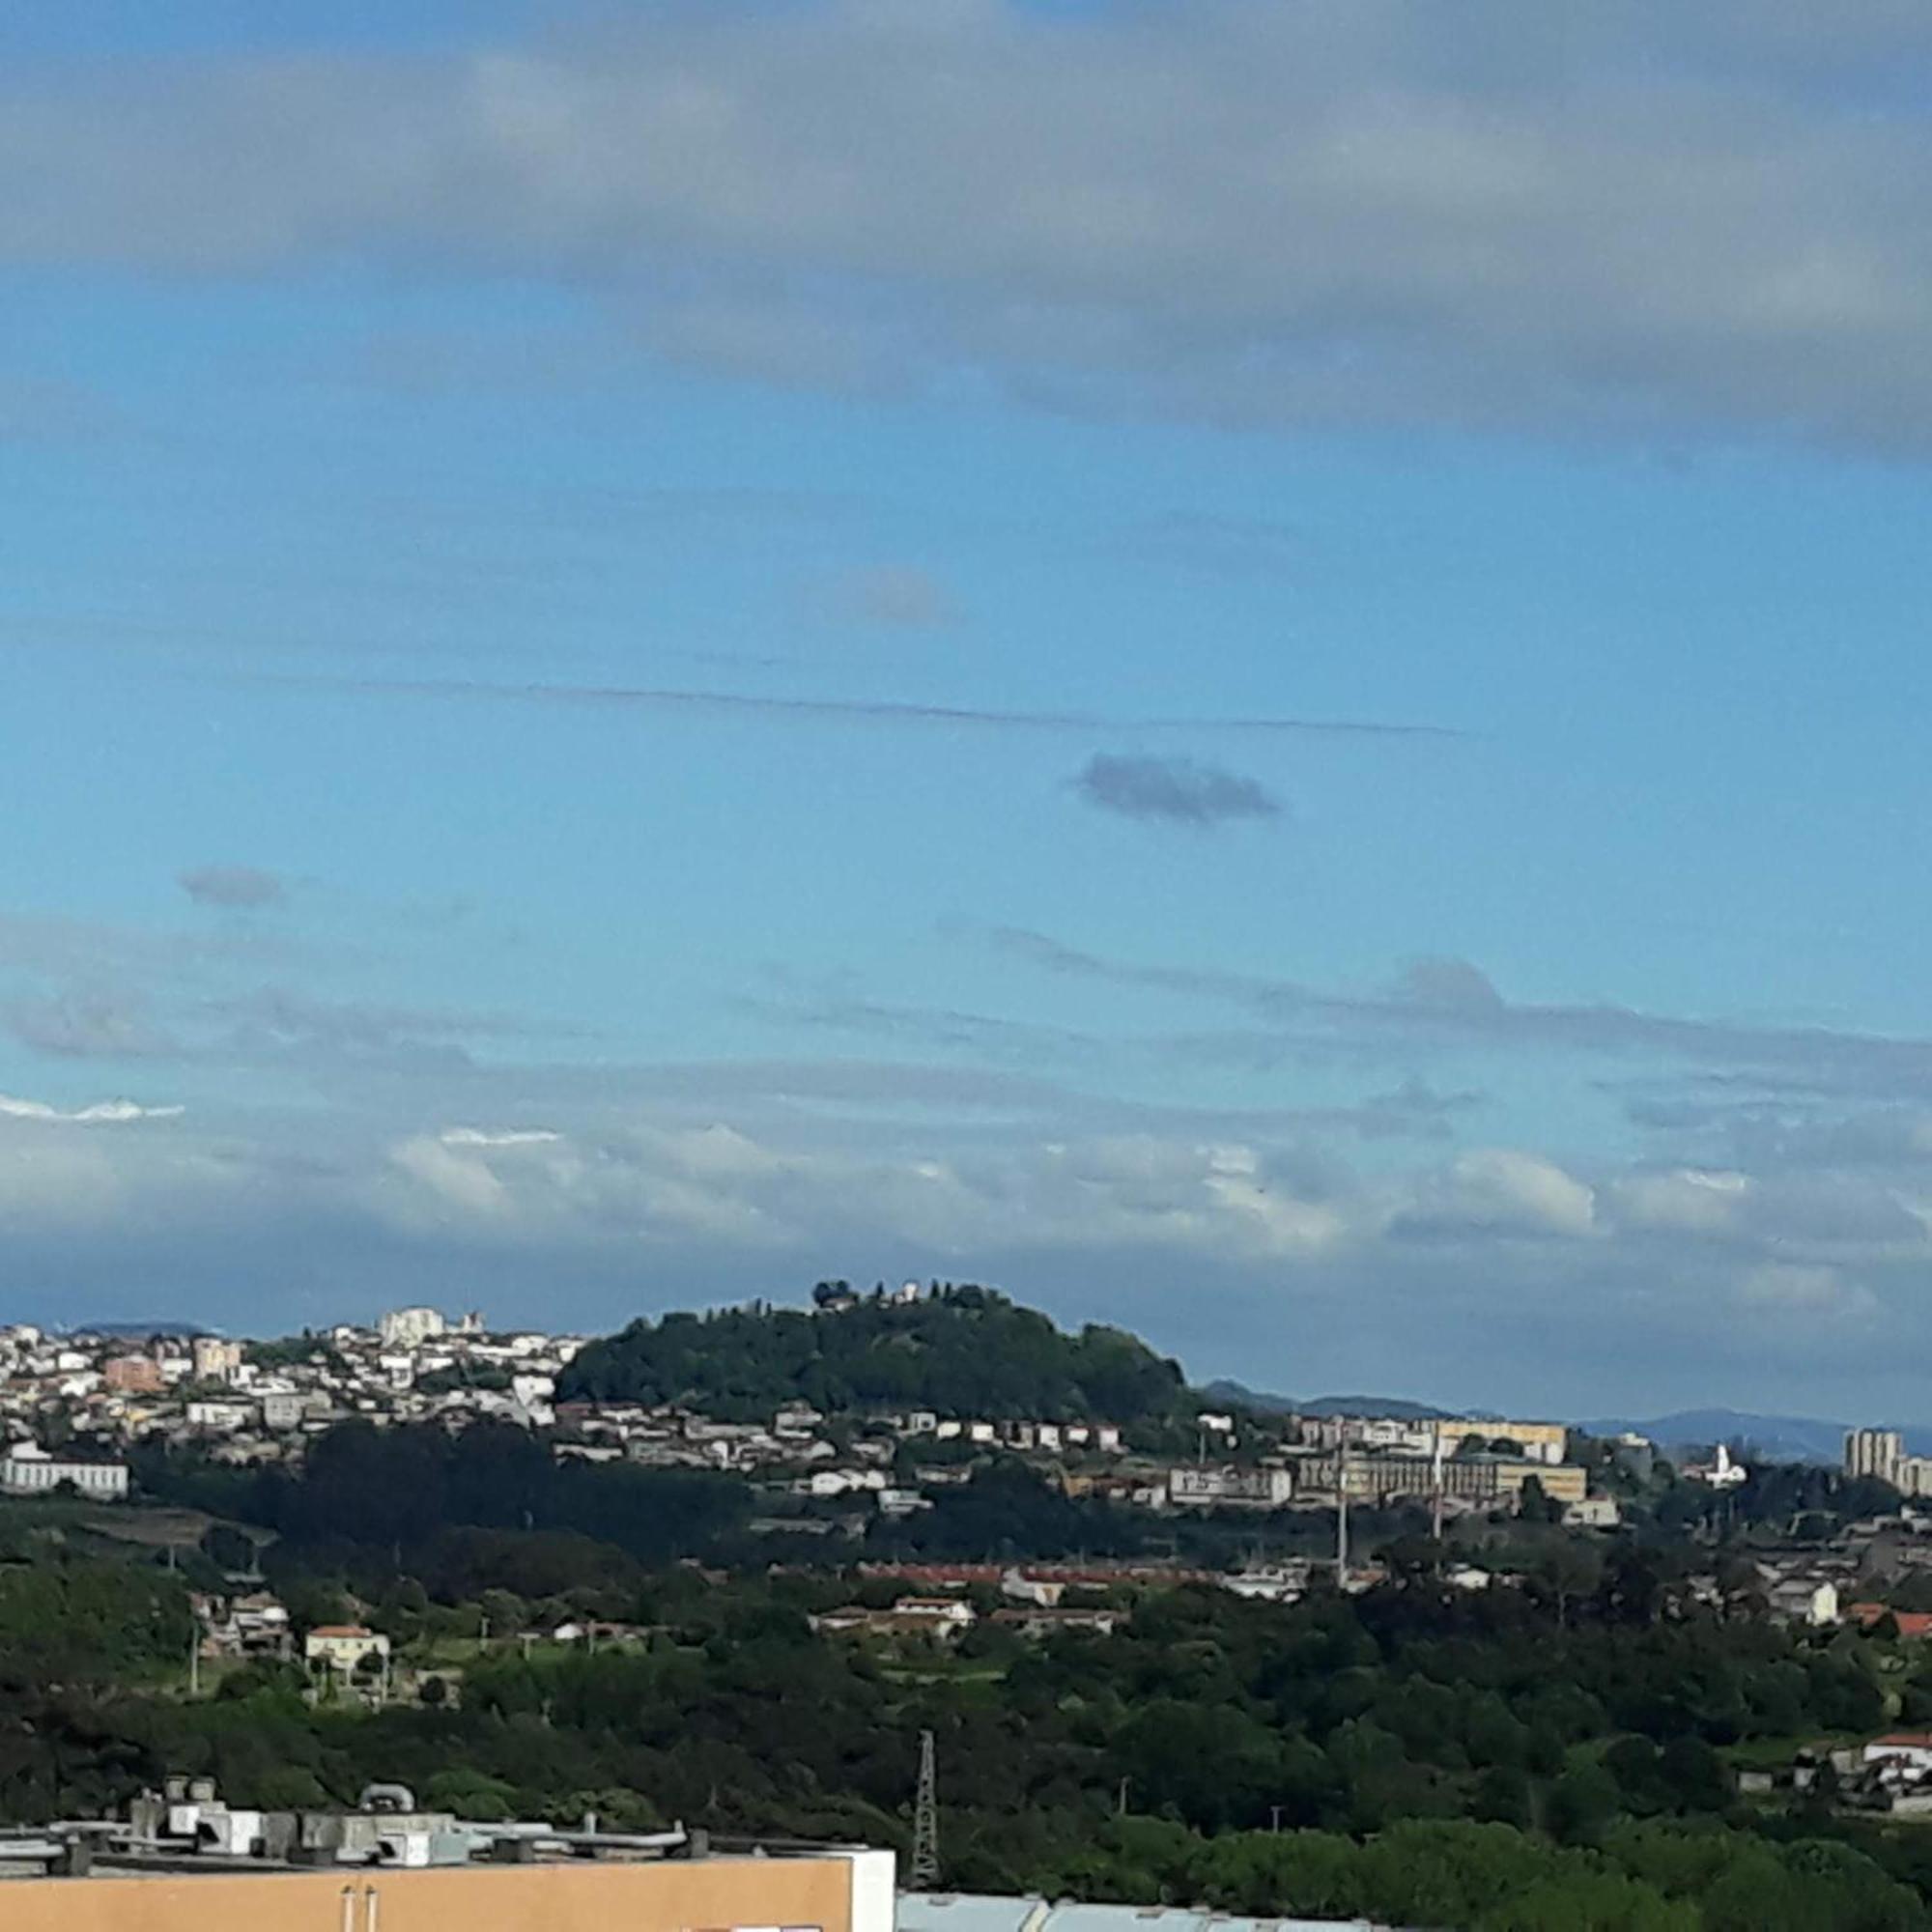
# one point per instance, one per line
(272, 1022)
(1453, 1003)
(834, 1011)
(243, 886)
(1412, 1109)
(1647, 223)
(90, 1025)
(1451, 983)
(1179, 791)
(892, 597)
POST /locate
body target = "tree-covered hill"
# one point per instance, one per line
(959, 1351)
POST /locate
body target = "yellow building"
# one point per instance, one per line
(1538, 1441)
(832, 1893)
(1562, 1481)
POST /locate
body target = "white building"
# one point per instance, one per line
(27, 1470)
(342, 1647)
(411, 1327)
(1208, 1487)
(220, 1418)
(1911, 1748)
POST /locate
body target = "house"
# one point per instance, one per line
(1592, 1512)
(1805, 1600)
(1035, 1624)
(1271, 1583)
(910, 1618)
(218, 1418)
(951, 1611)
(1913, 1626)
(1027, 1587)
(343, 1647)
(289, 1408)
(1910, 1750)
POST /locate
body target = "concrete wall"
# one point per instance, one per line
(704, 1895)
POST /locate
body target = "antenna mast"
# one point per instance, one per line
(925, 1820)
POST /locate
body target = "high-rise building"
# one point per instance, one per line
(411, 1327)
(214, 1359)
(1874, 1452)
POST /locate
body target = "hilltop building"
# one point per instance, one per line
(411, 1327)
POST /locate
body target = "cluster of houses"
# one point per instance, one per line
(1034, 1609)
(70, 1404)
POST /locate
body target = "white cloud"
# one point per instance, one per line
(1645, 221)
(1685, 1199)
(720, 1183)
(1806, 1290)
(1507, 1190)
(98, 1112)
(480, 1137)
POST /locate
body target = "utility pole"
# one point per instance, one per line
(195, 1664)
(1342, 1515)
(925, 1819)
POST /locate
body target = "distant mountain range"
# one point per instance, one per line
(1779, 1438)
(1238, 1395)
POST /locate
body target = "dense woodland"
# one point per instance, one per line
(1519, 1759)
(956, 1351)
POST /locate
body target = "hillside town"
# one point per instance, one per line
(72, 1403)
(74, 1406)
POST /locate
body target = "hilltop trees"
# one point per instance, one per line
(957, 1352)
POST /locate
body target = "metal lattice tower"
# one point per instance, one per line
(925, 1820)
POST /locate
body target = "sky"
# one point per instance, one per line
(1255, 671)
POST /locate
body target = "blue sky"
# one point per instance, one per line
(652, 653)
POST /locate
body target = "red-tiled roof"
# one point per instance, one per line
(1914, 1625)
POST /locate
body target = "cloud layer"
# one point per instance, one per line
(1651, 221)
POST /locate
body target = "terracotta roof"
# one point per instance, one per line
(1912, 1624)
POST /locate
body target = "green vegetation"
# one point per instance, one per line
(368, 1493)
(957, 1352)
(1412, 1755)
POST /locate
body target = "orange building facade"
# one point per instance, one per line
(833, 1893)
